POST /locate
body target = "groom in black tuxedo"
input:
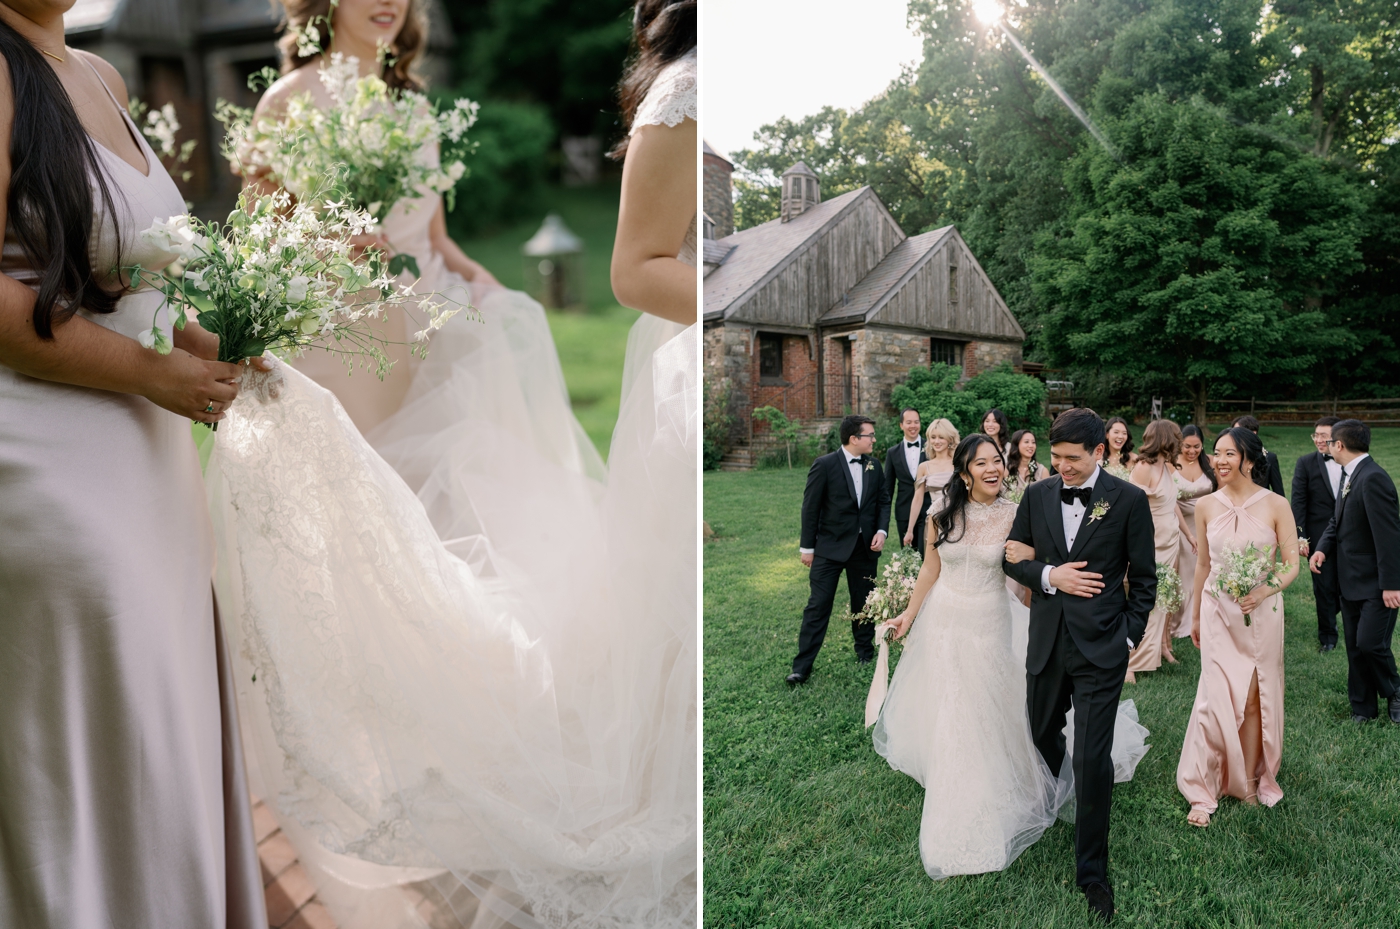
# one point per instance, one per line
(902, 459)
(845, 512)
(1364, 539)
(1316, 482)
(1088, 530)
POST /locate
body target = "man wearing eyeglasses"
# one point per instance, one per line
(845, 512)
(1316, 482)
(1363, 538)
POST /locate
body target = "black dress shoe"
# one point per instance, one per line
(1100, 897)
(1327, 646)
(1394, 705)
(864, 660)
(796, 678)
(1358, 718)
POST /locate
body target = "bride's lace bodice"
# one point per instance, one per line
(671, 99)
(973, 562)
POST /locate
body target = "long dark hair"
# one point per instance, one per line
(53, 164)
(398, 71)
(1202, 460)
(1013, 459)
(1251, 450)
(662, 31)
(1003, 428)
(956, 493)
(1123, 456)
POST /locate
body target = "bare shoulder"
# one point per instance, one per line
(110, 75)
(274, 100)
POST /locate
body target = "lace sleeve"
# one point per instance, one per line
(989, 524)
(672, 97)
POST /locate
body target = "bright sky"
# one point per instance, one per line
(763, 59)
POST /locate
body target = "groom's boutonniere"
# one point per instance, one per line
(870, 466)
(1099, 511)
(1347, 489)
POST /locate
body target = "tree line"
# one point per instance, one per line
(1238, 234)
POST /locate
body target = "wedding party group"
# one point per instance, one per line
(405, 602)
(1042, 592)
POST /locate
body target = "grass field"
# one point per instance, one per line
(591, 344)
(805, 826)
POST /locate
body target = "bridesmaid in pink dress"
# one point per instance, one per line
(1234, 739)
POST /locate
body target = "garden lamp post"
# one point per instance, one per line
(554, 265)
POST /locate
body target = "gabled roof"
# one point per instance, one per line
(876, 288)
(757, 254)
(709, 151)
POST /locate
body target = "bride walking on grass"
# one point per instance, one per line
(955, 715)
(509, 734)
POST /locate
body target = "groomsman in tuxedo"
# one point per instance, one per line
(1317, 479)
(1275, 473)
(845, 515)
(901, 462)
(1363, 538)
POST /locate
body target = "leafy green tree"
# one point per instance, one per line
(1203, 258)
(936, 393)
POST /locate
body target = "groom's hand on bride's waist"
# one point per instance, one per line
(1070, 579)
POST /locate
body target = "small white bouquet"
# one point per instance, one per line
(1169, 598)
(278, 277)
(372, 136)
(891, 593)
(1244, 570)
(1118, 470)
(1013, 490)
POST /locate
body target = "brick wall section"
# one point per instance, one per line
(718, 195)
(984, 356)
(798, 398)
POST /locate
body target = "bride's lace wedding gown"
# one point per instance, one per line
(955, 716)
(473, 665)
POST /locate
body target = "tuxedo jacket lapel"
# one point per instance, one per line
(1108, 493)
(1323, 476)
(850, 481)
(1053, 517)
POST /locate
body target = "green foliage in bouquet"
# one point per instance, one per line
(1169, 595)
(1245, 569)
(160, 128)
(891, 593)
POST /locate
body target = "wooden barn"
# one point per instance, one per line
(822, 311)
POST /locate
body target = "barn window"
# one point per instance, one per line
(770, 359)
(946, 352)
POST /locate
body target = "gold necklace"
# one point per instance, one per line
(54, 57)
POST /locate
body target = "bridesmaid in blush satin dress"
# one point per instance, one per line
(1234, 738)
(1153, 473)
(123, 801)
(1189, 489)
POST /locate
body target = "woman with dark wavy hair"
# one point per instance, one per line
(1234, 737)
(1118, 451)
(122, 795)
(954, 718)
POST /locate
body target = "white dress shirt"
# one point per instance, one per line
(1351, 468)
(1334, 476)
(911, 455)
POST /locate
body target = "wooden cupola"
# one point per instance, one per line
(801, 191)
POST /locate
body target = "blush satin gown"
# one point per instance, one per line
(122, 794)
(1212, 759)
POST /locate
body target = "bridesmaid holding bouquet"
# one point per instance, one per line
(1234, 738)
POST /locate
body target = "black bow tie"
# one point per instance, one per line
(1326, 457)
(911, 444)
(1071, 494)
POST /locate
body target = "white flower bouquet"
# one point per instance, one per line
(891, 593)
(1169, 598)
(278, 277)
(1118, 470)
(1244, 570)
(372, 136)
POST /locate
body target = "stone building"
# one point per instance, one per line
(719, 175)
(822, 311)
(193, 53)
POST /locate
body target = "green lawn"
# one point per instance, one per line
(806, 826)
(591, 348)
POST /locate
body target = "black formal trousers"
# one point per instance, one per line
(1329, 601)
(1070, 677)
(1367, 626)
(860, 571)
